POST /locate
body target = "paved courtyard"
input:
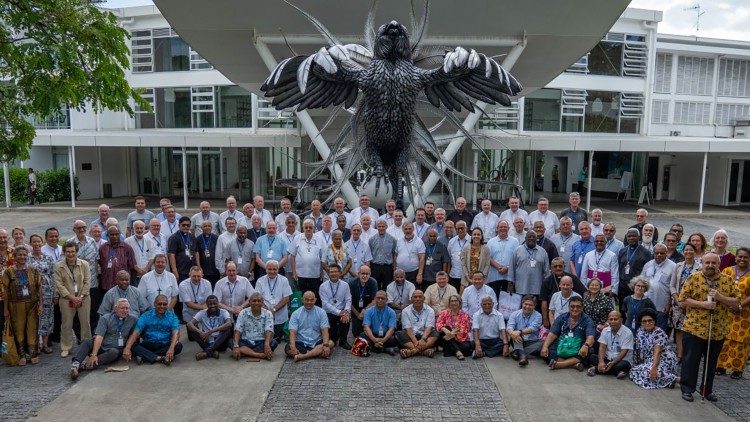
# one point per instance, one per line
(347, 387)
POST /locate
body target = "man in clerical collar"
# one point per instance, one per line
(137, 303)
(336, 300)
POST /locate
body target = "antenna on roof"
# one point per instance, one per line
(698, 14)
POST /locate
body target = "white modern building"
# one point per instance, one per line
(602, 88)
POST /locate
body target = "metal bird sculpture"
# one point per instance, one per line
(382, 84)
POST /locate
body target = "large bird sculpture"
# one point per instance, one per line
(382, 84)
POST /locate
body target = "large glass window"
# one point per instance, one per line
(171, 54)
(542, 110)
(602, 111)
(173, 107)
(234, 106)
(606, 59)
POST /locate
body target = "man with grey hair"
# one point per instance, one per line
(641, 219)
(286, 212)
(514, 210)
(224, 244)
(613, 244)
(276, 292)
(486, 220)
(597, 225)
(659, 273)
(542, 213)
(171, 223)
(156, 236)
(574, 212)
(230, 212)
(205, 214)
(109, 339)
(265, 215)
(101, 219)
(399, 292)
(88, 250)
(564, 240)
(143, 248)
(632, 258)
(123, 290)
(439, 224)
(583, 246)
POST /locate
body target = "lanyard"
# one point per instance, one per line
(270, 242)
(362, 292)
(290, 238)
(140, 245)
(356, 245)
(158, 279)
(195, 293)
(737, 274)
(564, 303)
(400, 293)
(441, 295)
(419, 232)
(119, 322)
(172, 227)
(530, 252)
(275, 282)
(231, 286)
(526, 321)
(327, 238)
(609, 242)
(431, 249)
(380, 315)
(598, 260)
(212, 321)
(186, 240)
(57, 254)
(240, 247)
(461, 245)
(157, 240)
(112, 252)
(121, 294)
(206, 242)
(541, 242)
(417, 315)
(334, 293)
(631, 253)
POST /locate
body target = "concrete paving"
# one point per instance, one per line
(222, 389)
(535, 393)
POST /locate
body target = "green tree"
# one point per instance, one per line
(55, 53)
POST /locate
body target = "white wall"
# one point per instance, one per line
(686, 178)
(88, 180)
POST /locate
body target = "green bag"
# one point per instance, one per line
(568, 346)
(295, 302)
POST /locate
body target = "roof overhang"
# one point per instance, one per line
(556, 33)
(175, 138)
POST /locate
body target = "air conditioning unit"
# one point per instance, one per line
(741, 128)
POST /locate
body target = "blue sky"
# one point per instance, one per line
(722, 19)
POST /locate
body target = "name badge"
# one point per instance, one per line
(627, 269)
(187, 252)
(109, 264)
(270, 254)
(429, 261)
(532, 263)
(380, 332)
(595, 274)
(562, 248)
(239, 260)
(580, 259)
(207, 253)
(25, 292)
(570, 334)
(361, 303)
(75, 289)
(120, 342)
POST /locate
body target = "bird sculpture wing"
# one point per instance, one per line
(328, 77)
(468, 73)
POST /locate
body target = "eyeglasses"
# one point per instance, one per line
(639, 285)
(575, 307)
(161, 304)
(647, 321)
(364, 273)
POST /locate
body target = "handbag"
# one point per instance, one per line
(508, 303)
(8, 349)
(568, 345)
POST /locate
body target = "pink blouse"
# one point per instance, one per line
(462, 321)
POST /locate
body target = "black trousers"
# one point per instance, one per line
(220, 345)
(97, 295)
(693, 349)
(622, 365)
(383, 273)
(455, 282)
(357, 326)
(312, 284)
(498, 286)
(391, 342)
(412, 276)
(450, 347)
(339, 331)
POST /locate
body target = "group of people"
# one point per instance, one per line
(558, 286)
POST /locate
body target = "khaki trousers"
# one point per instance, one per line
(25, 319)
(68, 313)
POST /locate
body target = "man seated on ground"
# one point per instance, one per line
(570, 339)
(523, 330)
(308, 331)
(418, 335)
(488, 326)
(253, 332)
(109, 339)
(380, 326)
(336, 300)
(211, 328)
(123, 290)
(615, 349)
(158, 331)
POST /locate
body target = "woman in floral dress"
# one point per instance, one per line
(45, 265)
(655, 361)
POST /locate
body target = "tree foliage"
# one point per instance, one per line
(55, 53)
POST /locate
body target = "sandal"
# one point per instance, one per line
(22, 361)
(35, 360)
(429, 352)
(552, 364)
(579, 367)
(47, 350)
(460, 356)
(405, 353)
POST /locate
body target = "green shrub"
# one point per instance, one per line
(51, 185)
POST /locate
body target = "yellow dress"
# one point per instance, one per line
(736, 348)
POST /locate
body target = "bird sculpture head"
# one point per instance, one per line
(392, 42)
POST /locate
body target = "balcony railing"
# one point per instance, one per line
(59, 120)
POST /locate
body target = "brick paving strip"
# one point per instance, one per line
(733, 395)
(384, 388)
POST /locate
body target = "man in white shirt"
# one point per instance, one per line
(420, 224)
(205, 214)
(472, 296)
(455, 246)
(306, 255)
(519, 231)
(390, 207)
(358, 250)
(144, 249)
(230, 212)
(397, 226)
(615, 352)
(542, 213)
(368, 231)
(315, 215)
(514, 210)
(171, 223)
(488, 329)
(399, 291)
(290, 236)
(253, 332)
(418, 335)
(338, 206)
(410, 252)
(486, 220)
(194, 292)
(52, 249)
(613, 244)
(659, 273)
(597, 225)
(364, 209)
(501, 249)
(336, 300)
(276, 293)
(159, 281)
(286, 211)
(558, 304)
(233, 291)
(224, 243)
(564, 240)
(259, 203)
(324, 236)
(155, 235)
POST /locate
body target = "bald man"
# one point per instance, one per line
(308, 331)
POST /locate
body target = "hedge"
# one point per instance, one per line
(51, 185)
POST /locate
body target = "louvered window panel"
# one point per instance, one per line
(660, 111)
(663, 73)
(734, 78)
(695, 75)
(692, 113)
(573, 102)
(197, 62)
(727, 114)
(141, 51)
(631, 104)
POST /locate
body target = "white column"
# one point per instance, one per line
(312, 131)
(100, 171)
(703, 182)
(6, 181)
(200, 170)
(588, 184)
(254, 115)
(72, 171)
(221, 169)
(184, 179)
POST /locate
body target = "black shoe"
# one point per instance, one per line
(139, 360)
(712, 398)
(687, 396)
(393, 351)
(720, 371)
(736, 375)
(514, 355)
(345, 345)
(523, 362)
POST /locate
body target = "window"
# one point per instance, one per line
(726, 114)
(663, 73)
(501, 118)
(734, 80)
(197, 62)
(162, 50)
(542, 110)
(606, 59)
(173, 107)
(202, 105)
(235, 106)
(141, 51)
(57, 120)
(171, 54)
(144, 119)
(692, 113)
(695, 75)
(660, 111)
(602, 112)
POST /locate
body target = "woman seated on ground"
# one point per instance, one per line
(570, 338)
(655, 361)
(597, 305)
(636, 302)
(454, 326)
